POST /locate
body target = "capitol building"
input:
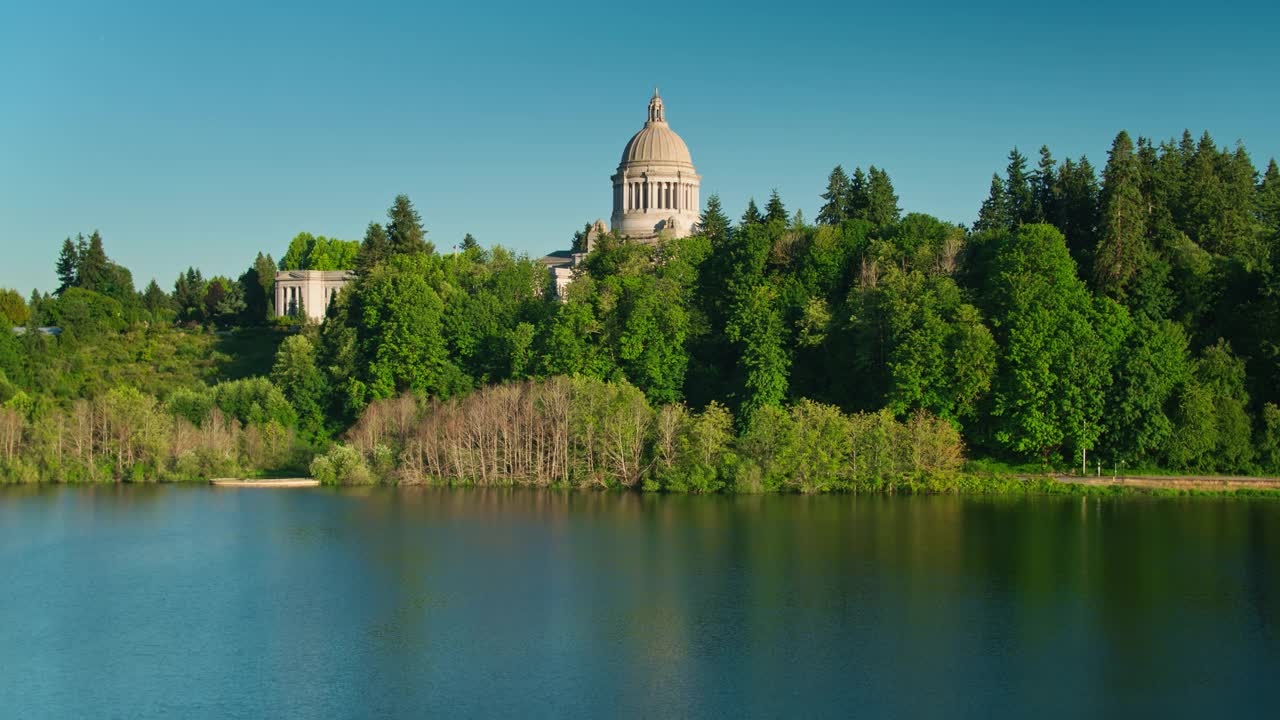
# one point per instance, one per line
(655, 196)
(655, 191)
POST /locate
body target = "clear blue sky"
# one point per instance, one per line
(200, 133)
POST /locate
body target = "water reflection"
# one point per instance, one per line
(217, 602)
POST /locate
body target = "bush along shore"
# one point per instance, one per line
(587, 433)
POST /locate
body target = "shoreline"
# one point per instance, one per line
(1010, 484)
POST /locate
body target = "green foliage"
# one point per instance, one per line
(835, 208)
(405, 235)
(399, 331)
(341, 465)
(13, 309)
(1057, 345)
(317, 252)
(253, 401)
(302, 382)
(1121, 247)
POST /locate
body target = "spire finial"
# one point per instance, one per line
(655, 108)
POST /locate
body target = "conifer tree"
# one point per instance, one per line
(405, 235)
(1078, 193)
(994, 213)
(68, 262)
(855, 205)
(92, 271)
(154, 299)
(882, 202)
(1122, 242)
(752, 216)
(834, 201)
(373, 249)
(469, 243)
(1019, 197)
(714, 224)
(775, 210)
(1269, 199)
(1043, 184)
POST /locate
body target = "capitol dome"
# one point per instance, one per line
(655, 190)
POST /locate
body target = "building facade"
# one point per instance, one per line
(308, 292)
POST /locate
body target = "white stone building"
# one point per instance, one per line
(655, 191)
(309, 291)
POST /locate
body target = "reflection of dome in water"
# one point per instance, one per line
(656, 187)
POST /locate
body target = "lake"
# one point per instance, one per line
(200, 602)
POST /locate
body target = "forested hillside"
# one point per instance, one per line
(1132, 314)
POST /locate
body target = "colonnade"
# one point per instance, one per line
(645, 195)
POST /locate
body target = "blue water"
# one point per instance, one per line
(198, 602)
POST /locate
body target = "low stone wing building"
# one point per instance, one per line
(307, 293)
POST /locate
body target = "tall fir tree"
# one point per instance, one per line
(1122, 244)
(405, 235)
(1077, 189)
(154, 299)
(752, 216)
(1019, 197)
(834, 201)
(92, 270)
(373, 249)
(714, 224)
(68, 262)
(858, 199)
(469, 243)
(1269, 202)
(882, 202)
(1044, 183)
(994, 213)
(775, 210)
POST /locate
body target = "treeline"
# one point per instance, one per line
(1132, 316)
(584, 432)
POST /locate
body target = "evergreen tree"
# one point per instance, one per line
(1044, 183)
(469, 243)
(373, 249)
(834, 201)
(1269, 211)
(752, 216)
(155, 300)
(1269, 198)
(92, 269)
(405, 235)
(264, 268)
(775, 210)
(882, 202)
(714, 224)
(1077, 188)
(188, 295)
(1019, 197)
(68, 263)
(257, 299)
(1122, 244)
(858, 199)
(994, 213)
